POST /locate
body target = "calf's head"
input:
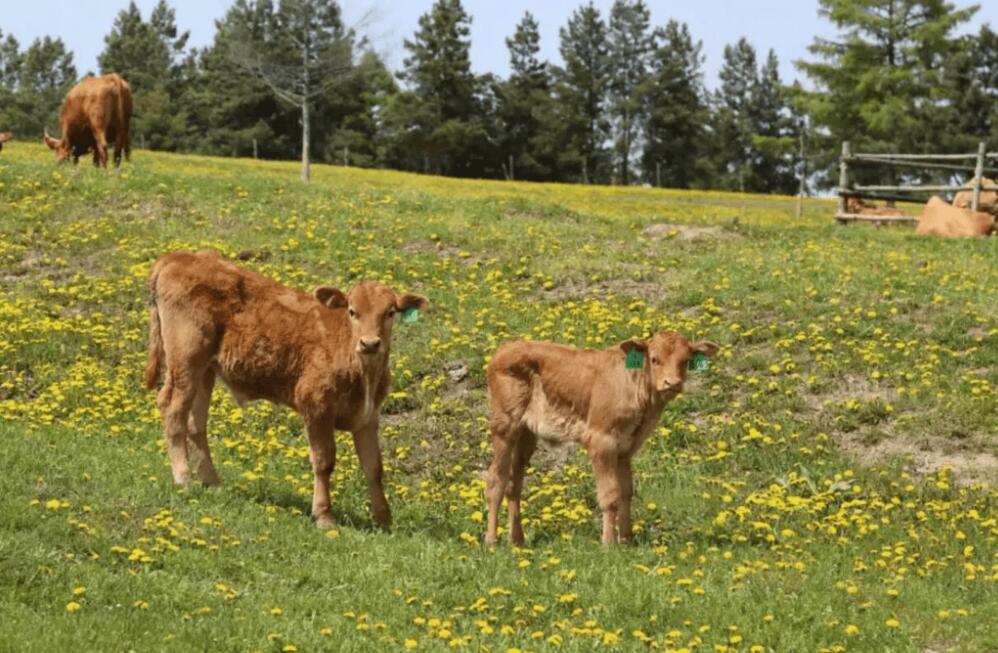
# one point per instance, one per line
(666, 356)
(371, 308)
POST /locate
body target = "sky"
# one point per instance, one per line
(786, 26)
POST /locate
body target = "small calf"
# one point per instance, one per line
(4, 137)
(324, 354)
(591, 397)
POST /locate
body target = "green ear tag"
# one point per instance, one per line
(635, 360)
(698, 362)
(410, 314)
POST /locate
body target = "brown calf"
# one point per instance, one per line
(324, 354)
(586, 396)
(97, 111)
(4, 137)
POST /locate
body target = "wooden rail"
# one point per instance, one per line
(901, 193)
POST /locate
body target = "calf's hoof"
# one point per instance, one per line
(383, 518)
(324, 521)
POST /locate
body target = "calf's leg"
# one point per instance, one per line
(323, 456)
(175, 401)
(366, 442)
(603, 453)
(526, 443)
(626, 480)
(198, 429)
(496, 479)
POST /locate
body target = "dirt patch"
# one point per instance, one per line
(850, 387)
(663, 230)
(441, 250)
(584, 289)
(926, 456)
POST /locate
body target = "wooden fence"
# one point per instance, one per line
(902, 193)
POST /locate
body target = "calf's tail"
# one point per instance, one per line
(155, 349)
(155, 337)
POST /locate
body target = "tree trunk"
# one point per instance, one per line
(306, 129)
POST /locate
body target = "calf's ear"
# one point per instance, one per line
(634, 343)
(417, 302)
(330, 297)
(706, 347)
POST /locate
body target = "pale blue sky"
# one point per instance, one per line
(787, 26)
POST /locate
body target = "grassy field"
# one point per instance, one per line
(827, 486)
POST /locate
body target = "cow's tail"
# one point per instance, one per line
(155, 359)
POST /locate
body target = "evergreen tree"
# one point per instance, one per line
(676, 113)
(149, 55)
(734, 117)
(972, 93)
(236, 113)
(525, 108)
(10, 70)
(774, 141)
(583, 84)
(439, 121)
(300, 50)
(630, 47)
(880, 83)
(44, 75)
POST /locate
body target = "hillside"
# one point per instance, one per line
(828, 485)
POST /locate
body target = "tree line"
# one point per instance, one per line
(626, 104)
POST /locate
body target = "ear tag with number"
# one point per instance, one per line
(635, 360)
(410, 314)
(698, 362)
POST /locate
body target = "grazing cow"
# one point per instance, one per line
(590, 397)
(4, 137)
(941, 219)
(97, 111)
(324, 354)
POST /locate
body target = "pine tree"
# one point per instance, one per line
(10, 70)
(300, 50)
(583, 84)
(525, 108)
(972, 91)
(773, 138)
(733, 120)
(44, 75)
(149, 54)
(440, 118)
(630, 48)
(878, 84)
(676, 113)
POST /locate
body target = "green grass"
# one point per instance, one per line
(800, 487)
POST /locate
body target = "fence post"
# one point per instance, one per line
(978, 176)
(844, 176)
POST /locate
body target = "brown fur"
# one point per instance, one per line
(860, 206)
(4, 137)
(941, 219)
(323, 354)
(97, 111)
(587, 396)
(988, 200)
